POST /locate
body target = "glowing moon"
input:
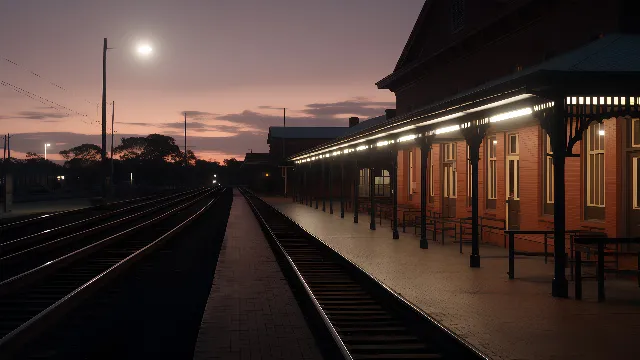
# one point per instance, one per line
(144, 49)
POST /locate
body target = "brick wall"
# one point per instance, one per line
(531, 184)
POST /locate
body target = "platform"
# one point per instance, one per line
(505, 319)
(44, 207)
(251, 312)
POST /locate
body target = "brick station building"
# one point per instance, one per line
(533, 105)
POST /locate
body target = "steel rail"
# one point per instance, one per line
(19, 280)
(16, 339)
(442, 332)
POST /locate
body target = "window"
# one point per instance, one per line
(492, 172)
(383, 184)
(411, 186)
(469, 178)
(431, 190)
(595, 171)
(548, 175)
(449, 152)
(636, 182)
(513, 166)
(457, 15)
(363, 190)
(450, 175)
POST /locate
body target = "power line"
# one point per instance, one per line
(67, 111)
(25, 69)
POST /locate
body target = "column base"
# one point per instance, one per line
(372, 226)
(560, 288)
(474, 261)
(355, 220)
(424, 243)
(396, 236)
(341, 215)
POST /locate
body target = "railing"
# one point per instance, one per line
(600, 242)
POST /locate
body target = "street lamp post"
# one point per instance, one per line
(45, 150)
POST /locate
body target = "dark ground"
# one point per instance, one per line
(153, 311)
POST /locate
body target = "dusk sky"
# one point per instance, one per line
(231, 64)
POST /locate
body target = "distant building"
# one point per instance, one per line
(259, 173)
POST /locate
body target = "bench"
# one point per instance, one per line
(587, 243)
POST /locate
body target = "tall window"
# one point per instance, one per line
(595, 171)
(469, 178)
(431, 187)
(635, 133)
(411, 178)
(492, 172)
(450, 175)
(548, 173)
(364, 183)
(513, 166)
(382, 184)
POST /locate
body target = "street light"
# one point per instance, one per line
(45, 150)
(143, 49)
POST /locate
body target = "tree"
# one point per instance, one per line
(82, 155)
(130, 148)
(191, 158)
(154, 147)
(232, 163)
(33, 156)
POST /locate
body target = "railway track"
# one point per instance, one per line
(22, 254)
(355, 314)
(12, 230)
(33, 301)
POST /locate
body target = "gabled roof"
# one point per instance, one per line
(609, 59)
(257, 158)
(414, 34)
(306, 132)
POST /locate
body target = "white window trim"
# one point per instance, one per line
(469, 176)
(492, 172)
(633, 137)
(636, 163)
(431, 187)
(590, 153)
(549, 176)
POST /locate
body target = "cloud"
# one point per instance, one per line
(49, 116)
(357, 106)
(261, 121)
(199, 115)
(316, 114)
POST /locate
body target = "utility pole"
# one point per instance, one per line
(104, 118)
(186, 157)
(9, 147)
(284, 156)
(113, 115)
(4, 148)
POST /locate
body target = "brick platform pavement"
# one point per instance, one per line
(505, 319)
(251, 312)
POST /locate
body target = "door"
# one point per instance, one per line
(449, 181)
(633, 207)
(513, 182)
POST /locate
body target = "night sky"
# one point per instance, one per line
(231, 64)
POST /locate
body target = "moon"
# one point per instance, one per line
(144, 49)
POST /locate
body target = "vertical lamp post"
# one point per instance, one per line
(143, 50)
(45, 150)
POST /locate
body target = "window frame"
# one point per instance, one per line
(594, 208)
(492, 171)
(548, 176)
(515, 157)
